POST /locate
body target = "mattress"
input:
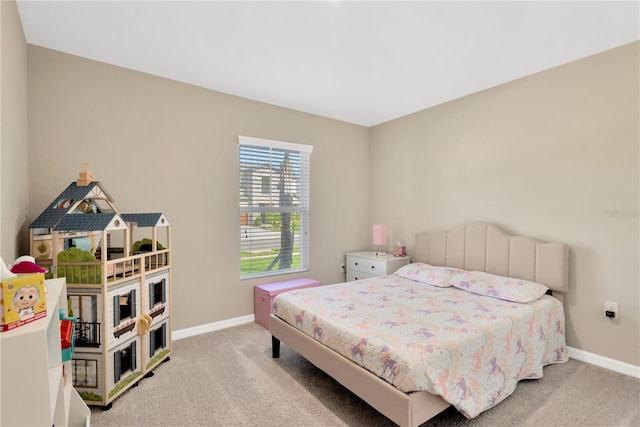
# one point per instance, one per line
(470, 349)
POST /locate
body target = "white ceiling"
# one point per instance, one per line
(360, 62)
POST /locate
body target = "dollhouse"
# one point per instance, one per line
(118, 274)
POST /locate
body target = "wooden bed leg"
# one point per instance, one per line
(275, 347)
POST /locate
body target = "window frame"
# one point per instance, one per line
(87, 369)
(302, 208)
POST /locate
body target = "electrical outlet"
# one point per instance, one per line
(611, 310)
(342, 268)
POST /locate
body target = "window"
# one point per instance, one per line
(266, 185)
(157, 339)
(157, 293)
(274, 207)
(85, 373)
(85, 308)
(124, 361)
(124, 307)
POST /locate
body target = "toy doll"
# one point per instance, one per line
(25, 299)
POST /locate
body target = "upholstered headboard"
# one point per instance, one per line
(482, 246)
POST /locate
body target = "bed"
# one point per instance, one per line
(473, 247)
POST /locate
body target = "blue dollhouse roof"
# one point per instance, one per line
(58, 216)
(61, 205)
(146, 219)
(88, 222)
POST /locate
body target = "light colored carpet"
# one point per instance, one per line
(228, 378)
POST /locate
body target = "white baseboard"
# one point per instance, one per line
(605, 362)
(210, 327)
(574, 353)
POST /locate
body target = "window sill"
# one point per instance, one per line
(273, 273)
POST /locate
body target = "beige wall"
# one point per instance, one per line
(162, 146)
(14, 178)
(555, 156)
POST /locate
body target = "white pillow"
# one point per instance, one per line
(506, 288)
(429, 274)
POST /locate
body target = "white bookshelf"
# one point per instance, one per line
(36, 386)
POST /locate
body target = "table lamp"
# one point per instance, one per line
(379, 237)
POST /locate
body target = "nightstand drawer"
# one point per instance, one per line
(364, 265)
(358, 275)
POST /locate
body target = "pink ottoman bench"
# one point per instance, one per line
(264, 295)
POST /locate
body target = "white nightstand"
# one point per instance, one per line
(361, 265)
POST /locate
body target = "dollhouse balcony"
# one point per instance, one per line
(90, 272)
(155, 260)
(87, 334)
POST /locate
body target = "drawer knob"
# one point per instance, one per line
(373, 266)
(356, 263)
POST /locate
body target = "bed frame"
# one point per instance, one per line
(476, 246)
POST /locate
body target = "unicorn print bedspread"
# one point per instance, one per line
(472, 350)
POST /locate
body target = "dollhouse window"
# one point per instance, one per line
(158, 339)
(85, 373)
(157, 293)
(83, 243)
(85, 308)
(124, 307)
(124, 361)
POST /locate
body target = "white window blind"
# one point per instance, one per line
(274, 206)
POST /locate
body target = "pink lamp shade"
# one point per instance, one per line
(379, 234)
